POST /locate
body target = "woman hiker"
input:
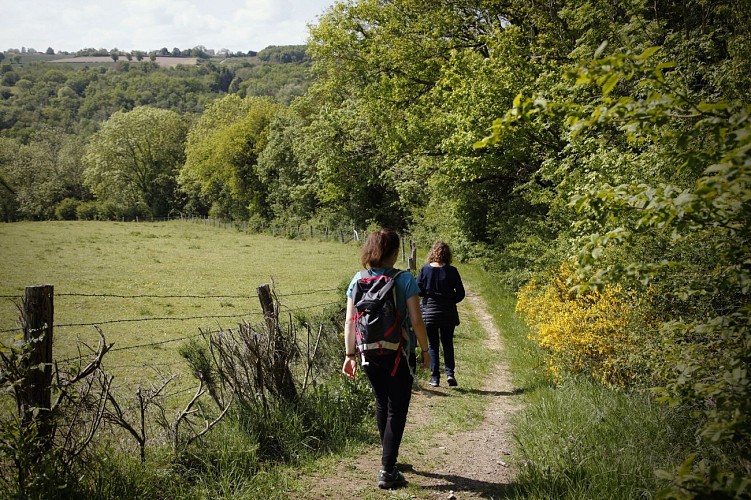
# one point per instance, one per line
(441, 289)
(387, 370)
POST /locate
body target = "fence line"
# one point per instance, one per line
(168, 296)
(158, 296)
(328, 232)
(173, 318)
(177, 339)
(148, 344)
(164, 318)
(339, 233)
(136, 320)
(287, 309)
(344, 235)
(171, 296)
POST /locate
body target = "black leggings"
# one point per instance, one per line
(392, 395)
(438, 335)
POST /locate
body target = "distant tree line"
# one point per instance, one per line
(285, 54)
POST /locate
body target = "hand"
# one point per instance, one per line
(350, 367)
(426, 359)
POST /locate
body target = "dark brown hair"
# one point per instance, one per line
(440, 252)
(379, 246)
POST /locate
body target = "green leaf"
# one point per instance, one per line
(610, 83)
(647, 53)
(482, 143)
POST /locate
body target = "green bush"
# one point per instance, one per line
(323, 418)
(67, 209)
(109, 211)
(87, 210)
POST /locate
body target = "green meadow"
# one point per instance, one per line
(150, 285)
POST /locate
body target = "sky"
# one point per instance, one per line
(237, 25)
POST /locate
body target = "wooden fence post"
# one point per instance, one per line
(412, 256)
(267, 306)
(38, 312)
(282, 374)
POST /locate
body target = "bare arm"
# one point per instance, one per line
(349, 368)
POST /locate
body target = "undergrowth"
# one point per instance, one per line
(577, 438)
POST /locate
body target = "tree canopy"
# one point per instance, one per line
(133, 160)
(222, 156)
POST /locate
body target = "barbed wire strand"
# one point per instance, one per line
(210, 332)
(136, 320)
(138, 346)
(169, 318)
(138, 365)
(173, 296)
(287, 309)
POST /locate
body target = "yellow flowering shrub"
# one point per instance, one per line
(585, 332)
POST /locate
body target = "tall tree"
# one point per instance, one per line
(422, 79)
(38, 175)
(222, 156)
(134, 159)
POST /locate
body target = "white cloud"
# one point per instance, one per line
(152, 24)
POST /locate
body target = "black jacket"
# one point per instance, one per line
(441, 288)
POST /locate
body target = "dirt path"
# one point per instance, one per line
(470, 464)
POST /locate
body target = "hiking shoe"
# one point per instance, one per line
(391, 479)
(434, 381)
(451, 381)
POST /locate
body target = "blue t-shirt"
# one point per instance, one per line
(406, 287)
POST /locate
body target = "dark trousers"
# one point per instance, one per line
(392, 395)
(441, 335)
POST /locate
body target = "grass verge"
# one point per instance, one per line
(580, 439)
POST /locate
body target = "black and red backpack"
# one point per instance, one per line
(378, 322)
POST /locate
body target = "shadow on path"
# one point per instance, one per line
(458, 484)
(482, 392)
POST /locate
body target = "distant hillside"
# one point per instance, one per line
(77, 93)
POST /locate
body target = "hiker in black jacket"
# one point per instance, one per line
(441, 289)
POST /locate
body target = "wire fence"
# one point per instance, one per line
(290, 230)
(324, 232)
(237, 315)
(343, 234)
(174, 296)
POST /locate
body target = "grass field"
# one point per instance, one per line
(154, 260)
(167, 62)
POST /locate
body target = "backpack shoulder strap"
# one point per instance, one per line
(393, 273)
(364, 274)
